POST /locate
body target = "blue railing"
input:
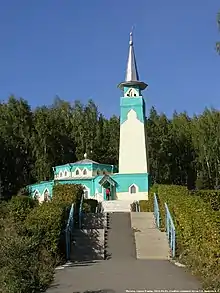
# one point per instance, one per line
(156, 211)
(69, 231)
(80, 211)
(170, 230)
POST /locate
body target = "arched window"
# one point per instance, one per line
(84, 172)
(77, 172)
(46, 195)
(36, 194)
(61, 174)
(65, 174)
(133, 189)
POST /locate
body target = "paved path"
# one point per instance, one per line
(151, 243)
(121, 242)
(123, 271)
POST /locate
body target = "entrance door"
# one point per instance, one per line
(107, 182)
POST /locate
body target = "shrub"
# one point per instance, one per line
(211, 197)
(24, 267)
(67, 193)
(148, 205)
(20, 206)
(89, 205)
(46, 223)
(198, 232)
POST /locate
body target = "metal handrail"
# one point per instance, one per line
(80, 211)
(156, 211)
(69, 231)
(170, 230)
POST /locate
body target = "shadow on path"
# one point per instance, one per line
(88, 242)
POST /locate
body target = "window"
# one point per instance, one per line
(61, 174)
(133, 189)
(98, 172)
(84, 172)
(77, 172)
(36, 194)
(46, 195)
(65, 174)
(131, 93)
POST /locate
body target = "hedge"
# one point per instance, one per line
(46, 223)
(89, 205)
(198, 232)
(211, 197)
(24, 267)
(32, 239)
(67, 193)
(20, 206)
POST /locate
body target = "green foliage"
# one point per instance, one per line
(46, 223)
(89, 205)
(20, 206)
(211, 197)
(67, 193)
(198, 232)
(24, 267)
(147, 205)
(182, 150)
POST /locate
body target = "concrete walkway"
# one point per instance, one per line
(150, 242)
(123, 272)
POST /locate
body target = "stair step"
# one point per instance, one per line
(151, 243)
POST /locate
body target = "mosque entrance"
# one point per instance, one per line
(108, 184)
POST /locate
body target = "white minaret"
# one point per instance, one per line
(133, 146)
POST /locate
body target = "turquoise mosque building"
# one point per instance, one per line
(131, 180)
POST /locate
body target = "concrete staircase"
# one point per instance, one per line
(150, 242)
(88, 242)
(119, 237)
(112, 206)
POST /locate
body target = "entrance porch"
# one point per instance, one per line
(108, 182)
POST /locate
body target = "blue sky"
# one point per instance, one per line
(78, 50)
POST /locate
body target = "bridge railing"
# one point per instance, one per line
(69, 231)
(80, 211)
(170, 230)
(156, 211)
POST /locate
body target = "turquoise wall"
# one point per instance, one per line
(126, 88)
(124, 181)
(89, 183)
(137, 104)
(41, 186)
(72, 167)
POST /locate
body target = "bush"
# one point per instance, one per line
(46, 223)
(148, 205)
(89, 205)
(67, 193)
(198, 232)
(20, 206)
(24, 267)
(211, 197)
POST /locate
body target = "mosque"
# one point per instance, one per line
(131, 182)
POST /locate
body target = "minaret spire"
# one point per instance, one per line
(132, 77)
(131, 72)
